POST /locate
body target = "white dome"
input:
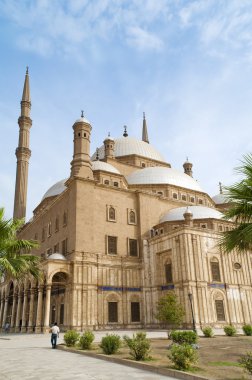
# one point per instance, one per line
(100, 165)
(128, 145)
(162, 175)
(82, 120)
(198, 212)
(219, 199)
(56, 189)
(56, 256)
(59, 187)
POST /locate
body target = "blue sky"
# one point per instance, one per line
(187, 64)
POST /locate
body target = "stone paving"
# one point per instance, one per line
(30, 357)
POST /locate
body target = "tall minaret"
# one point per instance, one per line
(145, 132)
(23, 152)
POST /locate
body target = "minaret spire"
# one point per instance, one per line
(145, 132)
(23, 152)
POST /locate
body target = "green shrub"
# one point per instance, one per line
(71, 337)
(208, 332)
(110, 344)
(86, 340)
(180, 337)
(230, 330)
(183, 356)
(247, 329)
(246, 361)
(139, 346)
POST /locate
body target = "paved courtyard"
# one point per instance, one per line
(27, 356)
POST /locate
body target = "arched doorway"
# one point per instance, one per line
(58, 298)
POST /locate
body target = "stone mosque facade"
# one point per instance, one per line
(116, 235)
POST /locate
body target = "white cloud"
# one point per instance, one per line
(143, 40)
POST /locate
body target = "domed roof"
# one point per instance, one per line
(55, 189)
(125, 146)
(219, 199)
(82, 120)
(100, 165)
(56, 256)
(199, 212)
(59, 187)
(162, 175)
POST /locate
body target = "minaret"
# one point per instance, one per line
(188, 167)
(81, 163)
(23, 152)
(145, 132)
(109, 147)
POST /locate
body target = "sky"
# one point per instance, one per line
(186, 63)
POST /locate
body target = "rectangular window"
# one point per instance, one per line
(61, 314)
(64, 247)
(133, 247)
(112, 312)
(56, 248)
(112, 245)
(135, 312)
(219, 306)
(215, 269)
(168, 273)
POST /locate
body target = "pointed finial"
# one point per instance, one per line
(27, 70)
(82, 113)
(97, 154)
(125, 134)
(220, 186)
(109, 134)
(187, 159)
(144, 130)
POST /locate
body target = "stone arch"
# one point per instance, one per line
(113, 308)
(55, 271)
(219, 305)
(59, 283)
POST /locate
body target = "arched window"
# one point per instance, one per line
(106, 182)
(43, 234)
(215, 270)
(168, 272)
(57, 224)
(49, 229)
(65, 218)
(112, 214)
(132, 217)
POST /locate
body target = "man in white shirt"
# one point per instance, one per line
(55, 334)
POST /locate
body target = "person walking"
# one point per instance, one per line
(55, 334)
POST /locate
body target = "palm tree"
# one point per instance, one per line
(15, 260)
(240, 197)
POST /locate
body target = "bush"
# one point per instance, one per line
(183, 356)
(86, 340)
(247, 329)
(230, 330)
(180, 337)
(139, 346)
(246, 361)
(208, 332)
(71, 337)
(110, 344)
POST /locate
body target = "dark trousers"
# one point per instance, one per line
(54, 340)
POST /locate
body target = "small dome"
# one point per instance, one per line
(100, 165)
(125, 146)
(162, 175)
(56, 256)
(82, 120)
(56, 189)
(199, 212)
(220, 199)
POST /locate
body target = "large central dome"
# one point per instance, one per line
(161, 175)
(126, 146)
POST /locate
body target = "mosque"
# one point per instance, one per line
(119, 233)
